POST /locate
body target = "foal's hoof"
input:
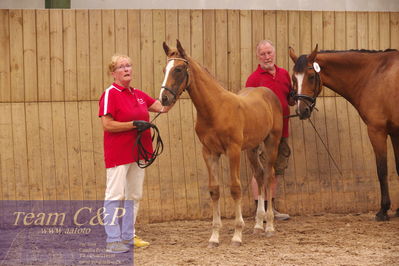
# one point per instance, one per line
(235, 243)
(258, 231)
(380, 217)
(269, 234)
(213, 245)
(397, 213)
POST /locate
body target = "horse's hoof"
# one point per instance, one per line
(235, 243)
(269, 234)
(213, 245)
(381, 217)
(258, 231)
(397, 213)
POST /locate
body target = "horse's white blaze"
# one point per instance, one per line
(299, 79)
(169, 66)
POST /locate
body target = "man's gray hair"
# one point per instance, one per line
(264, 42)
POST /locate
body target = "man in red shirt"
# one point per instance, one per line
(269, 75)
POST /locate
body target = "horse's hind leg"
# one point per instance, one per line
(211, 161)
(257, 169)
(268, 160)
(378, 139)
(395, 144)
(234, 153)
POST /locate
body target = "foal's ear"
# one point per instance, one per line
(292, 54)
(181, 50)
(166, 48)
(312, 56)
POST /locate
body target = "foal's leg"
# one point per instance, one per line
(211, 161)
(268, 159)
(378, 139)
(395, 144)
(233, 152)
(257, 169)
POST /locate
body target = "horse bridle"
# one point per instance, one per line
(308, 99)
(175, 96)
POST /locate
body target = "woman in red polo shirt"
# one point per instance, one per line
(120, 105)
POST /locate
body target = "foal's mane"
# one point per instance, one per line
(302, 61)
(358, 51)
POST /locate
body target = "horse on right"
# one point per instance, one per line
(369, 80)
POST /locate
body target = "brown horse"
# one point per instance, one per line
(369, 81)
(228, 123)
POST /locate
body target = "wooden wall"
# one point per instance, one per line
(53, 71)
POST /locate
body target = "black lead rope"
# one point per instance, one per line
(146, 156)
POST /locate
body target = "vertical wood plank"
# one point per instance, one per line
(16, 56)
(281, 43)
(43, 55)
(362, 30)
(257, 34)
(373, 31)
(154, 196)
(60, 151)
(108, 39)
(351, 42)
(165, 167)
(221, 39)
(69, 30)
(246, 70)
(20, 151)
(245, 46)
(147, 67)
(33, 152)
(134, 26)
(328, 40)
(209, 33)
(270, 22)
(98, 151)
(8, 180)
(319, 121)
(85, 147)
(343, 123)
(121, 37)
(343, 126)
(83, 55)
(97, 63)
(394, 29)
(30, 55)
(56, 56)
(364, 181)
(234, 50)
(73, 150)
(222, 74)
(5, 88)
(47, 151)
(288, 186)
(197, 52)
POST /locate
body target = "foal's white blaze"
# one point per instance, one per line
(169, 66)
(299, 79)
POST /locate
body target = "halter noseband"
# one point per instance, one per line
(175, 96)
(310, 99)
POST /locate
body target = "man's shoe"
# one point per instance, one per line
(116, 247)
(280, 216)
(137, 242)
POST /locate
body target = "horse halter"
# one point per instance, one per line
(311, 99)
(175, 96)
